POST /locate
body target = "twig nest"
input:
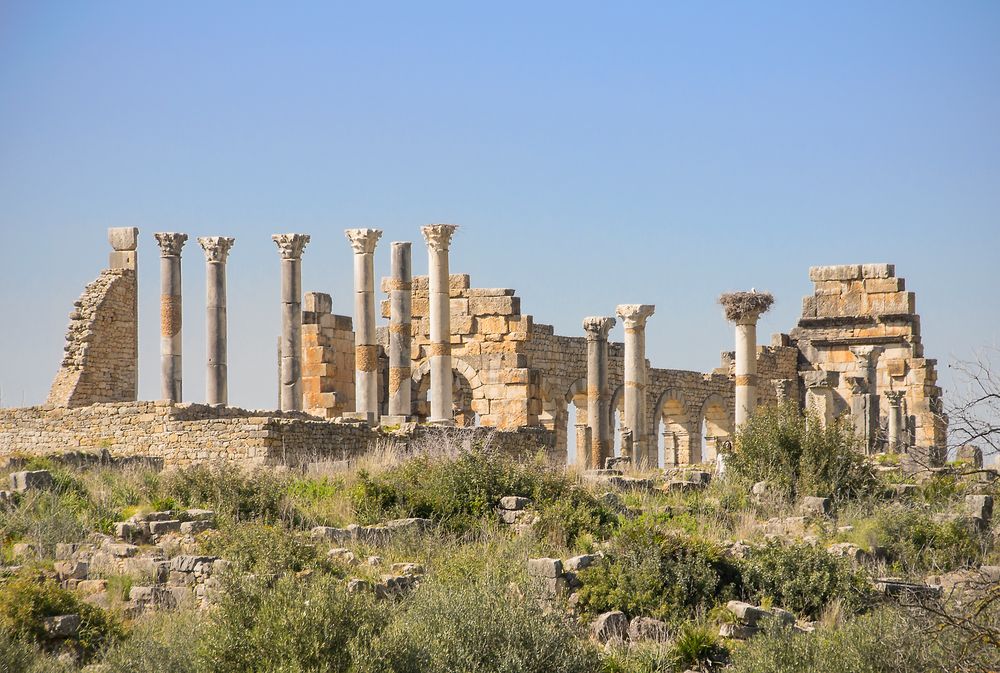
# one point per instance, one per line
(743, 305)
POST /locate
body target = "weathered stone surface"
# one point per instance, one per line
(745, 612)
(514, 503)
(157, 528)
(63, 626)
(30, 480)
(610, 626)
(813, 506)
(76, 570)
(645, 628)
(581, 562)
(545, 567)
(979, 506)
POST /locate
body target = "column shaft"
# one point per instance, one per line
(171, 373)
(746, 370)
(634, 317)
(400, 310)
(216, 380)
(598, 391)
(438, 237)
(291, 246)
(895, 420)
(363, 242)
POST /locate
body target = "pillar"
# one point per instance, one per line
(598, 391)
(438, 238)
(400, 307)
(171, 374)
(291, 246)
(366, 382)
(124, 243)
(746, 367)
(634, 317)
(216, 253)
(864, 400)
(896, 429)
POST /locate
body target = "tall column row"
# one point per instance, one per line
(363, 241)
(634, 439)
(291, 246)
(438, 238)
(170, 314)
(400, 336)
(598, 390)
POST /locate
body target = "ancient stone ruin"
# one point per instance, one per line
(452, 354)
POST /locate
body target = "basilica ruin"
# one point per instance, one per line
(451, 354)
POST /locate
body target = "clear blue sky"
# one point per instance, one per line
(594, 154)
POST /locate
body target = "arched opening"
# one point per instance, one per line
(565, 413)
(466, 391)
(672, 427)
(716, 426)
(617, 411)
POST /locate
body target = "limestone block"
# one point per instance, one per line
(62, 626)
(838, 272)
(610, 626)
(489, 292)
(881, 285)
(458, 281)
(163, 527)
(979, 506)
(30, 480)
(462, 324)
(491, 325)
(878, 270)
(458, 307)
(545, 567)
(828, 288)
(76, 570)
(746, 613)
(494, 305)
(809, 307)
(514, 502)
(123, 238)
(646, 628)
(195, 527)
(317, 302)
(972, 455)
(813, 506)
(578, 563)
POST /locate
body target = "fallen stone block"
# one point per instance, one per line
(199, 515)
(646, 628)
(31, 480)
(62, 626)
(342, 555)
(580, 562)
(162, 527)
(407, 569)
(545, 567)
(745, 612)
(849, 551)
(76, 570)
(813, 506)
(357, 586)
(737, 631)
(892, 586)
(610, 626)
(195, 527)
(514, 503)
(682, 486)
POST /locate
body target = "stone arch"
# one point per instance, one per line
(681, 437)
(467, 390)
(555, 412)
(717, 419)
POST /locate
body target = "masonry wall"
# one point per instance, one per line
(188, 434)
(101, 359)
(328, 387)
(857, 306)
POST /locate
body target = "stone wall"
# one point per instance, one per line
(859, 335)
(327, 358)
(101, 360)
(187, 434)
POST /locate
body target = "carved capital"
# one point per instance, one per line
(170, 243)
(290, 246)
(216, 247)
(634, 316)
(438, 236)
(895, 397)
(363, 240)
(597, 327)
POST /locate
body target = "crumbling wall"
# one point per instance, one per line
(101, 359)
(327, 358)
(187, 434)
(859, 334)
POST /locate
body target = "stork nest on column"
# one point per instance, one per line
(740, 305)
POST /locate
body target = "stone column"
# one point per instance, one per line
(363, 242)
(819, 397)
(216, 253)
(864, 401)
(171, 374)
(291, 246)
(598, 392)
(634, 317)
(438, 237)
(896, 429)
(400, 305)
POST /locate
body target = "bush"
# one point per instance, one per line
(263, 549)
(463, 491)
(475, 624)
(797, 456)
(650, 572)
(298, 624)
(803, 579)
(28, 597)
(917, 542)
(695, 647)
(885, 641)
(154, 645)
(233, 493)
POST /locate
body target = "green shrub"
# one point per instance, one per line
(298, 624)
(475, 624)
(917, 543)
(655, 573)
(263, 549)
(463, 491)
(797, 456)
(884, 641)
(803, 579)
(233, 493)
(161, 642)
(695, 647)
(28, 597)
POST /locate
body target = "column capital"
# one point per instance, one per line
(363, 240)
(895, 397)
(290, 246)
(216, 247)
(745, 308)
(634, 315)
(170, 243)
(438, 236)
(597, 327)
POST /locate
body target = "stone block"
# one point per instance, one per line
(76, 570)
(646, 628)
(581, 562)
(123, 238)
(745, 612)
(163, 527)
(545, 567)
(882, 285)
(493, 325)
(479, 306)
(62, 626)
(979, 507)
(814, 506)
(837, 272)
(878, 270)
(737, 631)
(317, 302)
(610, 626)
(971, 455)
(30, 480)
(195, 527)
(514, 502)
